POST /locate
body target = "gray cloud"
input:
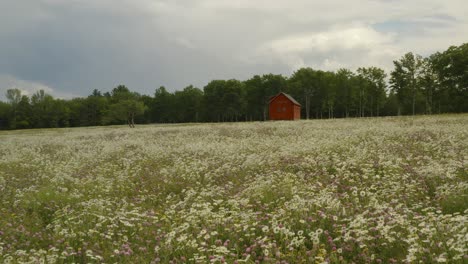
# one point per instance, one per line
(75, 46)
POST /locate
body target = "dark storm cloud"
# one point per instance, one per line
(74, 46)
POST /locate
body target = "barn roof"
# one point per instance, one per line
(287, 96)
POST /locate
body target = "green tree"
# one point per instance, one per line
(212, 100)
(256, 92)
(329, 91)
(188, 104)
(125, 106)
(428, 83)
(95, 106)
(255, 99)
(77, 116)
(5, 113)
(42, 109)
(14, 97)
(344, 91)
(162, 108)
(375, 84)
(59, 116)
(404, 80)
(126, 110)
(451, 67)
(305, 82)
(147, 117)
(233, 100)
(24, 113)
(391, 104)
(121, 93)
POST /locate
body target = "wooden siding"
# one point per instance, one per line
(283, 108)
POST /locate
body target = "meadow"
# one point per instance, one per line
(370, 190)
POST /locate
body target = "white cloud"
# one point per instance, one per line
(27, 87)
(351, 46)
(358, 37)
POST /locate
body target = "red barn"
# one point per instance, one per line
(284, 107)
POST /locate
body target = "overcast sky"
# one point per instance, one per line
(70, 47)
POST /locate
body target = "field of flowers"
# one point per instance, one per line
(383, 190)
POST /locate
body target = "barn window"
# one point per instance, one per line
(278, 109)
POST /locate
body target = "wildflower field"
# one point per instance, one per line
(377, 190)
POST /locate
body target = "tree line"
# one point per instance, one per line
(417, 85)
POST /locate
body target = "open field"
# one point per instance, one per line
(383, 190)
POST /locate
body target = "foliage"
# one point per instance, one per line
(432, 85)
(126, 110)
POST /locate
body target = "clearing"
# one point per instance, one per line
(365, 190)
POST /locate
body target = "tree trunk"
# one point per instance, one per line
(360, 103)
(413, 82)
(429, 99)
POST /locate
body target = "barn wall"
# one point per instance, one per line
(281, 108)
(297, 112)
